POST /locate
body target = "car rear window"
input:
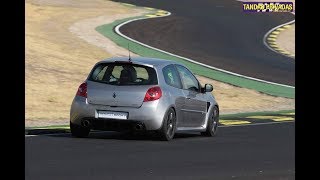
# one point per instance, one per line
(123, 74)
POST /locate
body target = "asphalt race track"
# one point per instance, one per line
(217, 33)
(247, 152)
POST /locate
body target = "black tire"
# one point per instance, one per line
(168, 128)
(79, 131)
(212, 126)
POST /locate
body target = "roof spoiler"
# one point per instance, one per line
(129, 62)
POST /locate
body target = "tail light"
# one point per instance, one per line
(82, 90)
(152, 94)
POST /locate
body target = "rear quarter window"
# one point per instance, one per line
(123, 74)
(171, 76)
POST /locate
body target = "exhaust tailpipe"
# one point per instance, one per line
(138, 127)
(86, 123)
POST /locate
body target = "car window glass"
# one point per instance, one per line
(116, 71)
(99, 73)
(171, 76)
(124, 74)
(188, 80)
(142, 73)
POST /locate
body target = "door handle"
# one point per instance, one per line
(188, 98)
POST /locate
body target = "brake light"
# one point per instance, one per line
(152, 94)
(82, 90)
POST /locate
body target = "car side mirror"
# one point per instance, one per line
(208, 88)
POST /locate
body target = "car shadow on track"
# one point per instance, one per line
(138, 136)
(150, 136)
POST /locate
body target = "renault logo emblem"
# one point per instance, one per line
(114, 95)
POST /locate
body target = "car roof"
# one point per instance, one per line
(141, 60)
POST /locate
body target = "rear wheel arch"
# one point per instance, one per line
(168, 126)
(175, 112)
(174, 109)
(170, 107)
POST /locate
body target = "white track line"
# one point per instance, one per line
(187, 59)
(30, 135)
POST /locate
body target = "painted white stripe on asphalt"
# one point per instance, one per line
(30, 135)
(187, 59)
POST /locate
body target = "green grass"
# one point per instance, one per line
(262, 113)
(50, 127)
(275, 90)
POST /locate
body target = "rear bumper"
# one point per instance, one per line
(115, 125)
(150, 114)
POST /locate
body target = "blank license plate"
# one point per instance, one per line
(112, 115)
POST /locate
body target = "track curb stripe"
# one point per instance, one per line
(233, 122)
(271, 37)
(157, 13)
(127, 4)
(149, 8)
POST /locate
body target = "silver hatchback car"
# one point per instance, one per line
(143, 94)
